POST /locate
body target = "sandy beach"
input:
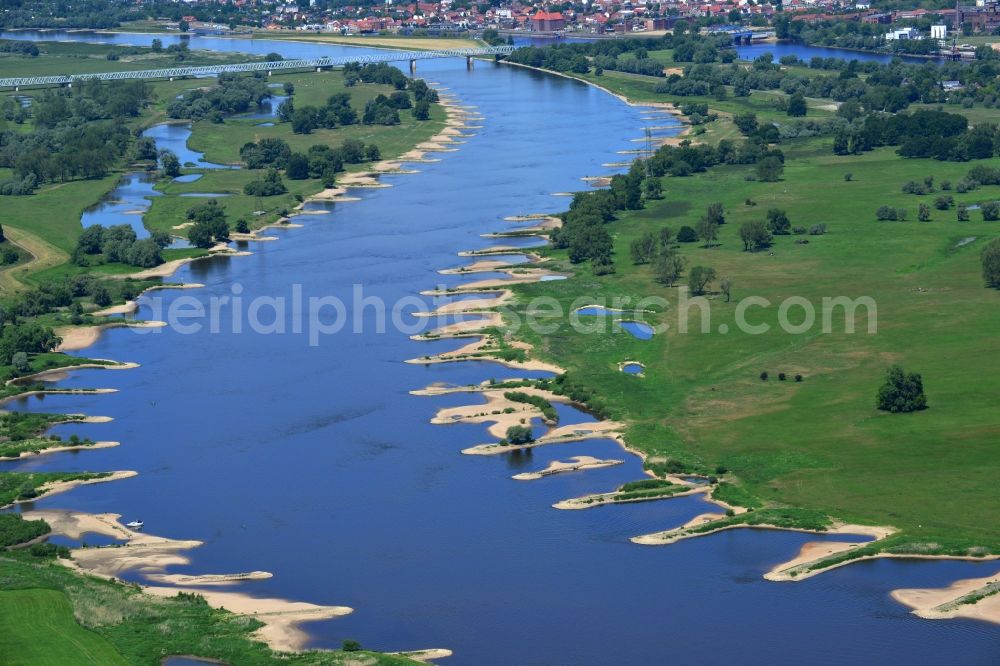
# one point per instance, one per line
(958, 600)
(574, 464)
(60, 449)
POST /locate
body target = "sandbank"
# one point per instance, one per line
(576, 463)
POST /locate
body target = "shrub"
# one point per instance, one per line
(763, 376)
(687, 235)
(517, 434)
(848, 177)
(798, 378)
(990, 258)
(901, 392)
(781, 376)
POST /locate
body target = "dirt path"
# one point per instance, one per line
(43, 255)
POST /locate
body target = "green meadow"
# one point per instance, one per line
(820, 443)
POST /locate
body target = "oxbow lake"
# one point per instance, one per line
(315, 463)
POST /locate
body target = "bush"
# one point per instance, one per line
(781, 376)
(990, 258)
(901, 392)
(687, 235)
(517, 435)
(763, 376)
(798, 378)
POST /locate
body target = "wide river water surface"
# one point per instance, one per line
(315, 462)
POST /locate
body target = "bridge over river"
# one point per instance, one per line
(260, 66)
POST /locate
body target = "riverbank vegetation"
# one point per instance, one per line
(800, 452)
(50, 614)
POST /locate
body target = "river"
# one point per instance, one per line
(315, 462)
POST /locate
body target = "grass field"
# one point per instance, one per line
(41, 601)
(818, 444)
(79, 58)
(37, 628)
(221, 143)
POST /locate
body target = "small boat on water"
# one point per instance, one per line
(134, 525)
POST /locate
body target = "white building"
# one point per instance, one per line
(902, 33)
(939, 32)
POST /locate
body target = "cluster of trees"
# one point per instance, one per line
(686, 159)
(320, 161)
(65, 294)
(923, 133)
(583, 232)
(627, 55)
(78, 133)
(99, 14)
(210, 226)
(119, 244)
(19, 47)
(869, 86)
(384, 110)
(854, 35)
(338, 111)
(268, 186)
(374, 73)
(233, 94)
(901, 392)
(25, 338)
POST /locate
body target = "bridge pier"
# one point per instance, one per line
(413, 66)
(468, 62)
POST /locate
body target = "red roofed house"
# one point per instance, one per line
(544, 21)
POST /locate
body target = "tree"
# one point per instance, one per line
(666, 238)
(20, 362)
(715, 213)
(183, 26)
(990, 211)
(754, 235)
(643, 249)
(297, 167)
(990, 257)
(924, 213)
(708, 231)
(422, 110)
(518, 434)
(901, 392)
(699, 277)
(170, 164)
(770, 169)
(652, 188)
(687, 235)
(777, 222)
(962, 213)
(797, 105)
(726, 287)
(667, 268)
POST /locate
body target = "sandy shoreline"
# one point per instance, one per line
(59, 449)
(574, 464)
(974, 599)
(151, 555)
